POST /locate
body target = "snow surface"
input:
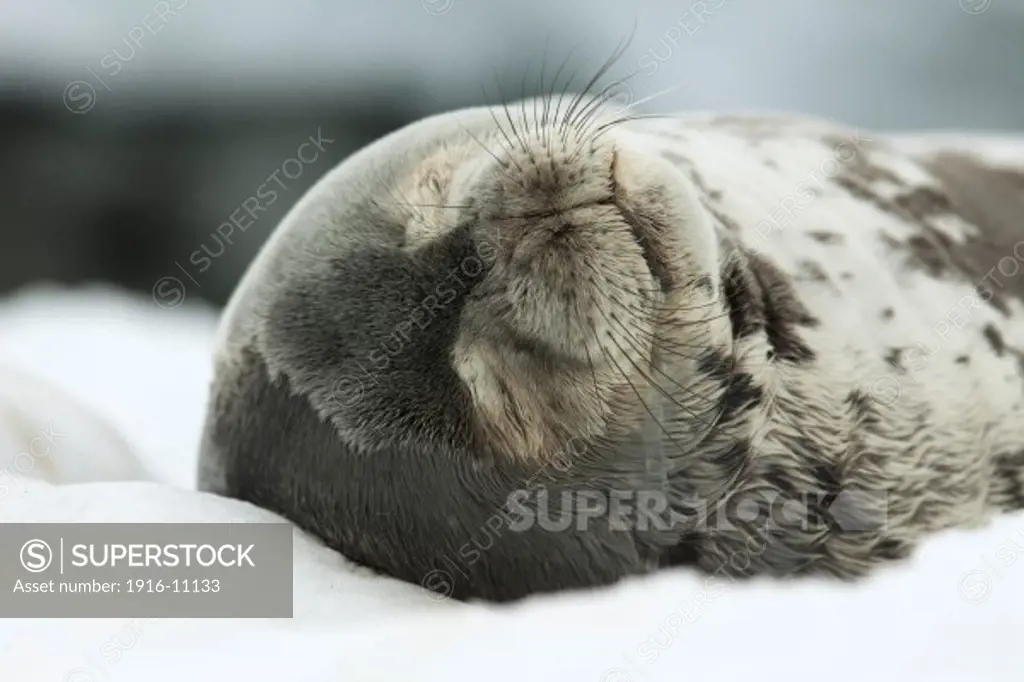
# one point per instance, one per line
(124, 383)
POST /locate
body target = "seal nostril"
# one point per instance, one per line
(560, 229)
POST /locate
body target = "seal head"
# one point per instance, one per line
(468, 340)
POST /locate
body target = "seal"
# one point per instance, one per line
(545, 346)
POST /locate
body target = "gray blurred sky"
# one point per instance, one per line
(882, 63)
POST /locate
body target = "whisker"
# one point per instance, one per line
(511, 159)
(540, 87)
(588, 113)
(551, 95)
(620, 50)
(640, 371)
(501, 129)
(605, 283)
(504, 105)
(529, 148)
(501, 162)
(455, 206)
(608, 125)
(689, 390)
(561, 97)
(646, 407)
(401, 199)
(661, 93)
(616, 54)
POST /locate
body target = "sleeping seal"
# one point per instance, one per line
(545, 346)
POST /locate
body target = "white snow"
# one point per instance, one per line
(113, 363)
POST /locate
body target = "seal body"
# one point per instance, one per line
(537, 347)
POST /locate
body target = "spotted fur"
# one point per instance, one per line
(803, 338)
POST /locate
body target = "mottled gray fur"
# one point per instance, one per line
(544, 298)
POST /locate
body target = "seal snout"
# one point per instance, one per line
(571, 202)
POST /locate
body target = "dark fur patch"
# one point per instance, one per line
(743, 296)
(860, 165)
(923, 203)
(828, 479)
(783, 311)
(724, 221)
(858, 189)
(759, 297)
(409, 508)
(887, 313)
(716, 364)
(929, 255)
(812, 272)
(741, 395)
(893, 357)
(995, 339)
(830, 238)
(991, 199)
(736, 458)
(685, 553)
(892, 549)
(863, 407)
(1010, 469)
(778, 477)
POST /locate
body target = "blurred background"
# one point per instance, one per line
(155, 144)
